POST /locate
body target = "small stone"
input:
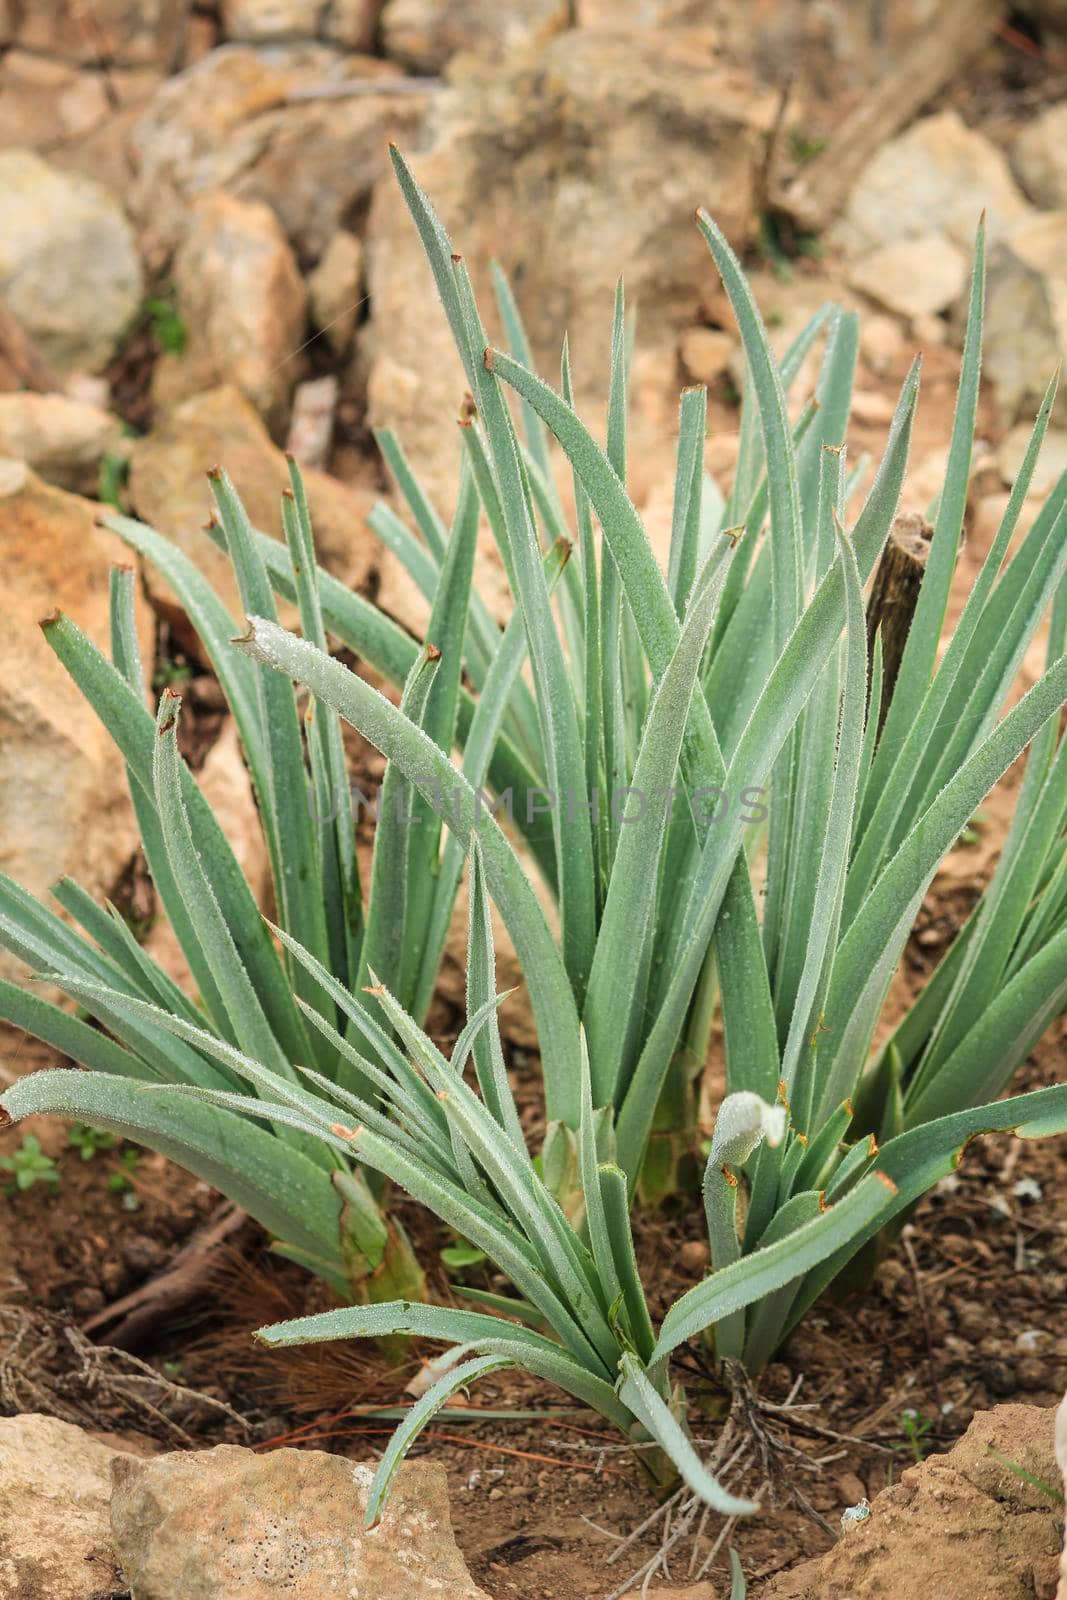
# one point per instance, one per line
(201, 1524)
(311, 425)
(872, 408)
(913, 276)
(257, 21)
(69, 269)
(929, 332)
(850, 1489)
(706, 353)
(63, 440)
(241, 300)
(1039, 157)
(334, 291)
(882, 343)
(1048, 466)
(1026, 315)
(694, 1255)
(55, 1483)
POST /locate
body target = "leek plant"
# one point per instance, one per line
(249, 998)
(741, 672)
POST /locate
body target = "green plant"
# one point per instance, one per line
(89, 1140)
(1051, 1491)
(915, 1427)
(248, 998)
(758, 674)
(742, 670)
(28, 1166)
(167, 323)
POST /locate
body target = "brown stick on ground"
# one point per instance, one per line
(814, 197)
(21, 363)
(127, 1323)
(895, 594)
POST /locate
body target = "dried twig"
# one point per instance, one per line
(48, 1365)
(128, 1323)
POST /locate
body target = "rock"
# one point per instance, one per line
(168, 488)
(311, 428)
(423, 34)
(1026, 314)
(334, 290)
(122, 32)
(706, 353)
(1050, 463)
(345, 22)
(1039, 157)
(224, 124)
(694, 1256)
(882, 344)
(934, 179)
(63, 440)
(55, 1535)
(57, 761)
(69, 269)
(975, 1529)
(77, 117)
(207, 1523)
(241, 298)
(575, 162)
(914, 277)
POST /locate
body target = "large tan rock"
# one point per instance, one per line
(62, 439)
(242, 301)
(936, 178)
(69, 268)
(1026, 314)
(225, 123)
(63, 801)
(973, 1528)
(575, 162)
(1039, 156)
(229, 1522)
(55, 1534)
(168, 488)
(424, 34)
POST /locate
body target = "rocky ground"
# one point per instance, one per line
(204, 258)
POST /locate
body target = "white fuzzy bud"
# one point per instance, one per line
(744, 1121)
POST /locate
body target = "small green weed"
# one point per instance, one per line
(28, 1166)
(89, 1140)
